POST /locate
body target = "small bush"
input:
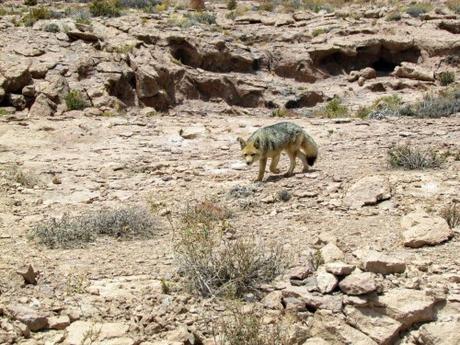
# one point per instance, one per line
(3, 112)
(319, 31)
(215, 265)
(36, 14)
(411, 158)
(24, 178)
(434, 106)
(417, 9)
(454, 5)
(231, 5)
(385, 106)
(240, 327)
(333, 109)
(71, 232)
(105, 8)
(363, 112)
(75, 101)
(451, 213)
(446, 78)
(191, 19)
(280, 112)
(30, 2)
(139, 4)
(393, 16)
(52, 27)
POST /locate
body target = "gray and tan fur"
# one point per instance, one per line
(270, 141)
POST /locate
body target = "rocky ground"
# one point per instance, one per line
(389, 265)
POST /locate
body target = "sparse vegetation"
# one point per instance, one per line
(124, 49)
(215, 265)
(454, 5)
(385, 106)
(139, 4)
(231, 4)
(3, 112)
(446, 78)
(24, 177)
(333, 109)
(75, 284)
(35, 14)
(412, 158)
(70, 232)
(434, 106)
(319, 31)
(75, 101)
(51, 27)
(280, 112)
(240, 327)
(105, 8)
(451, 213)
(417, 9)
(192, 19)
(393, 16)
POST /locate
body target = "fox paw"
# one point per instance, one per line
(288, 174)
(275, 171)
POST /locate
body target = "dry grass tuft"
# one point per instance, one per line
(451, 213)
(215, 265)
(412, 158)
(71, 232)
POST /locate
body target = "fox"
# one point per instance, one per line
(270, 141)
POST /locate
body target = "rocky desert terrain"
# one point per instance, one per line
(128, 216)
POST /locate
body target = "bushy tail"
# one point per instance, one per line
(310, 149)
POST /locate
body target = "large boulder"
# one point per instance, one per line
(33, 319)
(14, 73)
(439, 333)
(42, 107)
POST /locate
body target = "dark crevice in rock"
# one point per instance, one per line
(382, 59)
(214, 58)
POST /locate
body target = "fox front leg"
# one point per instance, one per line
(262, 165)
(274, 164)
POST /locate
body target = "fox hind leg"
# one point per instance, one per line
(274, 164)
(292, 156)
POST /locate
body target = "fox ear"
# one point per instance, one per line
(241, 141)
(257, 143)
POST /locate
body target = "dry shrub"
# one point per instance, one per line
(412, 158)
(451, 213)
(25, 178)
(246, 327)
(212, 263)
(74, 231)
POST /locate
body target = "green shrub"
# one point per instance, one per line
(333, 109)
(231, 5)
(446, 78)
(393, 16)
(417, 9)
(52, 27)
(3, 112)
(105, 8)
(385, 106)
(75, 101)
(30, 2)
(72, 232)
(191, 19)
(36, 14)
(412, 158)
(280, 112)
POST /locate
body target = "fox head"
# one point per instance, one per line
(250, 150)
